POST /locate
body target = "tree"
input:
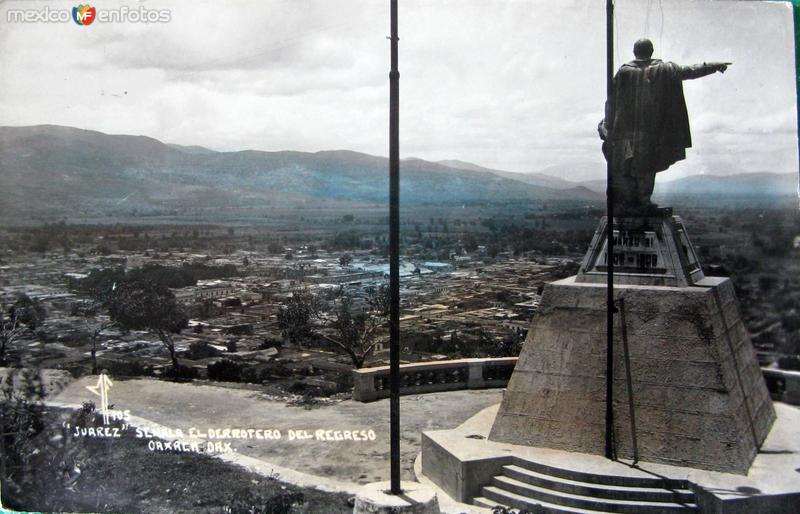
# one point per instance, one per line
(767, 283)
(98, 282)
(41, 243)
(99, 285)
(345, 259)
(347, 240)
(96, 323)
(296, 317)
(352, 331)
(510, 345)
(146, 305)
(21, 420)
(469, 243)
(25, 314)
(357, 330)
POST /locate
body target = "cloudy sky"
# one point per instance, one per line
(509, 84)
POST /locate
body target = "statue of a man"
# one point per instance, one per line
(646, 127)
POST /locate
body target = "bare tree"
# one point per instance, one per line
(100, 289)
(96, 322)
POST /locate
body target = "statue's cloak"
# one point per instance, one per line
(646, 115)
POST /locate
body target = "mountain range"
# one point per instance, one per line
(49, 170)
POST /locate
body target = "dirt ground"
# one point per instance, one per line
(80, 474)
(204, 407)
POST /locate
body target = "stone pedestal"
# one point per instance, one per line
(648, 250)
(416, 498)
(699, 398)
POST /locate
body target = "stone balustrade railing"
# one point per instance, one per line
(783, 385)
(429, 377)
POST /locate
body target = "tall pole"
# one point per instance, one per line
(610, 453)
(394, 257)
(796, 16)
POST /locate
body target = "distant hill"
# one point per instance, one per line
(52, 170)
(581, 172)
(745, 185)
(761, 186)
(598, 186)
(194, 149)
(534, 179)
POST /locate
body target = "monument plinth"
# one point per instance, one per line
(684, 368)
(699, 398)
(648, 250)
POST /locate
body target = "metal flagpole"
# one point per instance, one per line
(394, 257)
(610, 452)
(796, 17)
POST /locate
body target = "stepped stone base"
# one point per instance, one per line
(529, 485)
(699, 397)
(463, 466)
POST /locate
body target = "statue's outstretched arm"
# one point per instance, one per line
(696, 71)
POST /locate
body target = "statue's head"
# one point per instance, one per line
(643, 49)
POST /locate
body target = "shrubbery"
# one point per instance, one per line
(225, 370)
(21, 420)
(315, 390)
(181, 373)
(228, 370)
(248, 501)
(129, 368)
(168, 276)
(201, 350)
(253, 375)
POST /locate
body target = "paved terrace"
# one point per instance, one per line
(343, 463)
